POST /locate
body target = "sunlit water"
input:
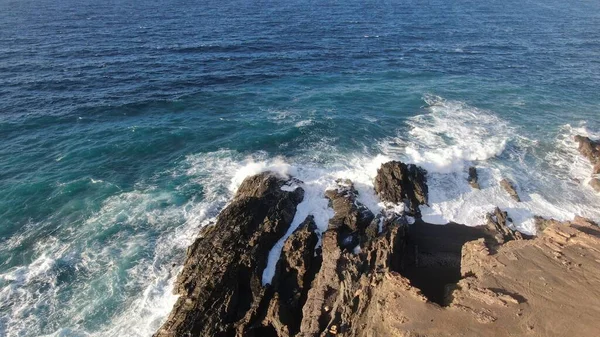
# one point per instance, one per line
(126, 126)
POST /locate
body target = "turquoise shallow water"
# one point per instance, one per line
(125, 126)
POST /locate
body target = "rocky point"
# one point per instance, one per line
(383, 274)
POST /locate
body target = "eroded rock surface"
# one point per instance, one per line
(220, 284)
(499, 223)
(351, 218)
(398, 183)
(342, 290)
(509, 187)
(295, 271)
(520, 290)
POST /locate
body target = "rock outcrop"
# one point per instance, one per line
(509, 187)
(398, 183)
(220, 285)
(295, 271)
(499, 223)
(591, 150)
(520, 290)
(473, 178)
(342, 290)
(357, 250)
(351, 218)
(376, 275)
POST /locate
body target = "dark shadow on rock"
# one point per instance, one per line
(587, 230)
(434, 256)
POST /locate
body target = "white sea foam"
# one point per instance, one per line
(127, 255)
(446, 141)
(566, 158)
(282, 115)
(315, 181)
(453, 200)
(453, 134)
(303, 123)
(250, 166)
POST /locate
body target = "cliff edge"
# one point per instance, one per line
(385, 274)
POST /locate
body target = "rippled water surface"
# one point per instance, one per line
(127, 125)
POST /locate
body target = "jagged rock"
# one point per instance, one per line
(473, 178)
(220, 284)
(580, 223)
(348, 211)
(510, 189)
(591, 150)
(295, 271)
(498, 222)
(397, 182)
(505, 285)
(343, 288)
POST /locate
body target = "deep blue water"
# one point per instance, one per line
(124, 126)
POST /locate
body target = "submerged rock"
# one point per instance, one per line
(473, 178)
(397, 182)
(510, 189)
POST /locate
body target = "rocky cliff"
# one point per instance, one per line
(381, 274)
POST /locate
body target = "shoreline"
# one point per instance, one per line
(334, 283)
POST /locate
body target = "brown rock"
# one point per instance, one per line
(344, 286)
(525, 284)
(501, 285)
(397, 182)
(295, 271)
(542, 223)
(510, 189)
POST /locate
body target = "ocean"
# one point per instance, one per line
(125, 126)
